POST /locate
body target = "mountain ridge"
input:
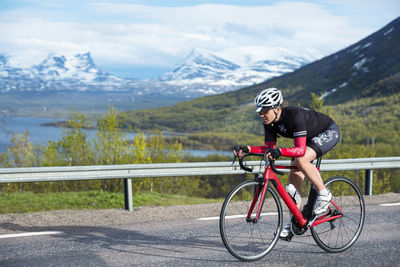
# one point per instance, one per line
(58, 72)
(369, 67)
(351, 69)
(341, 76)
(202, 73)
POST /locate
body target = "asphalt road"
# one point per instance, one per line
(190, 242)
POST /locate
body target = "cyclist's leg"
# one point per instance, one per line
(318, 146)
(296, 178)
(305, 165)
(324, 196)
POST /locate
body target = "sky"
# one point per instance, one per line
(144, 39)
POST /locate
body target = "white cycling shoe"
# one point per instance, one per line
(286, 231)
(322, 203)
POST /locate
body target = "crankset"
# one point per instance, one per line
(296, 228)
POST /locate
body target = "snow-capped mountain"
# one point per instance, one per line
(200, 64)
(204, 73)
(201, 73)
(80, 67)
(59, 72)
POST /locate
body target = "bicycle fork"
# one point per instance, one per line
(260, 188)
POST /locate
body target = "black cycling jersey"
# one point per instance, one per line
(297, 122)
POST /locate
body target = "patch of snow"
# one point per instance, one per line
(388, 31)
(359, 64)
(326, 93)
(355, 48)
(367, 45)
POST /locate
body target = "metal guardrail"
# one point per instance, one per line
(127, 172)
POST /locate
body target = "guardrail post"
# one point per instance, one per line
(368, 182)
(128, 194)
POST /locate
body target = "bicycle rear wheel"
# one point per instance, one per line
(248, 240)
(340, 234)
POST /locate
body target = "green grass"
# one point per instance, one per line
(23, 202)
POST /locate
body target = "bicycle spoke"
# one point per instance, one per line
(235, 236)
(345, 226)
(248, 240)
(345, 230)
(351, 219)
(261, 234)
(348, 227)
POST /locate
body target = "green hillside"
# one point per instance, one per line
(349, 72)
(361, 85)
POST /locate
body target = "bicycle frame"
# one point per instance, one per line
(270, 177)
(254, 235)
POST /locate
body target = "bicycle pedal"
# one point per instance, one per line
(288, 238)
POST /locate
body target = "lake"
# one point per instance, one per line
(39, 134)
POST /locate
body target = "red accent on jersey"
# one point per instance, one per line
(270, 144)
(298, 150)
(262, 149)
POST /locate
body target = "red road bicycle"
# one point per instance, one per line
(251, 216)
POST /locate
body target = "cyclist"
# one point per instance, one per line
(314, 135)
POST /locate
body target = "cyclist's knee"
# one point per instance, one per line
(306, 160)
(302, 162)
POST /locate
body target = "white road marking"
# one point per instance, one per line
(234, 216)
(30, 234)
(390, 204)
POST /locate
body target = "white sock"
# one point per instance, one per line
(323, 192)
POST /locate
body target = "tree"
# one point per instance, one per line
(21, 152)
(111, 144)
(75, 145)
(316, 102)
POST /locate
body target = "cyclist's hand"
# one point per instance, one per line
(238, 150)
(273, 153)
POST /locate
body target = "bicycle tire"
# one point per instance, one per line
(340, 234)
(249, 241)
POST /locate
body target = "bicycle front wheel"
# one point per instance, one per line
(340, 234)
(245, 239)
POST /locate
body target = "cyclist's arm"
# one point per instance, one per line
(262, 149)
(298, 150)
(269, 141)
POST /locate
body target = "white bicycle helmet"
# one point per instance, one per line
(268, 98)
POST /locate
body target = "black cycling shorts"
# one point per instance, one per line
(325, 141)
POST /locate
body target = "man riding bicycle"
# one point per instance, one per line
(314, 134)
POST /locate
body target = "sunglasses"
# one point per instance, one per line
(264, 110)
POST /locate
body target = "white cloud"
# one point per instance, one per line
(137, 35)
